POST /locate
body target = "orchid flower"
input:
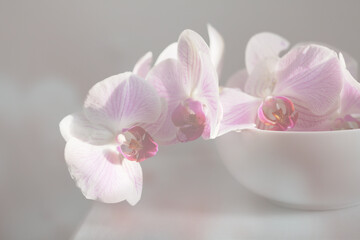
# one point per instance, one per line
(188, 80)
(108, 139)
(298, 91)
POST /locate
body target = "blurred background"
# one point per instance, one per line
(52, 52)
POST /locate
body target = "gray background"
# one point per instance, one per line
(52, 52)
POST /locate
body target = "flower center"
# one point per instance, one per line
(190, 119)
(278, 113)
(347, 122)
(136, 144)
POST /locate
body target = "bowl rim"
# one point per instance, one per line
(338, 132)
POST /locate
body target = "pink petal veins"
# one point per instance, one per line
(239, 110)
(101, 174)
(122, 100)
(312, 77)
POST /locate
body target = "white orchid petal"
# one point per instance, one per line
(240, 110)
(348, 60)
(350, 95)
(170, 52)
(208, 94)
(199, 78)
(166, 79)
(101, 174)
(311, 76)
(143, 65)
(77, 126)
(262, 80)
(192, 51)
(217, 47)
(262, 46)
(122, 101)
(351, 64)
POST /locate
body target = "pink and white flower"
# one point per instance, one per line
(298, 91)
(108, 139)
(188, 80)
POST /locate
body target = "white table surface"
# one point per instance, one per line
(189, 194)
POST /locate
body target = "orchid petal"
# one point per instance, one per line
(309, 121)
(199, 78)
(77, 126)
(65, 127)
(134, 171)
(143, 65)
(262, 80)
(170, 52)
(350, 95)
(208, 93)
(165, 78)
(240, 110)
(159, 130)
(122, 101)
(217, 47)
(262, 46)
(192, 51)
(350, 62)
(238, 80)
(165, 133)
(311, 77)
(101, 174)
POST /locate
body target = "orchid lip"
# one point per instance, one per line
(136, 144)
(190, 119)
(277, 113)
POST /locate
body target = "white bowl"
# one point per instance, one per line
(304, 170)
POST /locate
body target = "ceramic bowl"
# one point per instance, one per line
(305, 170)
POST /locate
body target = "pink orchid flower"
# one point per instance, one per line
(108, 139)
(188, 80)
(298, 91)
